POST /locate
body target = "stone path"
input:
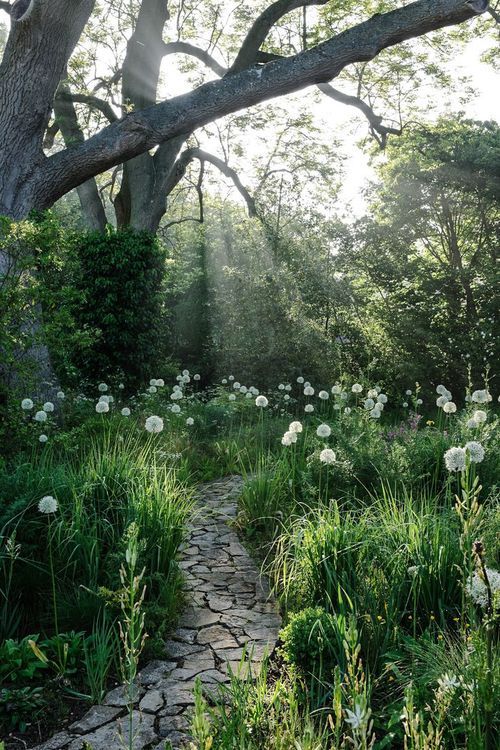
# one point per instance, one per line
(230, 624)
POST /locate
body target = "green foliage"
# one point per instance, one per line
(120, 281)
(313, 641)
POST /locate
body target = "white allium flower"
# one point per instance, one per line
(295, 426)
(160, 382)
(300, 380)
(472, 424)
(186, 379)
(224, 381)
(40, 416)
(236, 386)
(369, 404)
(47, 504)
(308, 390)
(102, 407)
(441, 401)
(197, 377)
(286, 397)
(43, 438)
(337, 407)
(327, 456)
(243, 389)
(152, 389)
(382, 398)
(232, 396)
(288, 387)
(454, 459)
(27, 404)
(408, 392)
(481, 397)
(323, 431)
(357, 388)
(449, 407)
(291, 435)
(178, 378)
(176, 395)
(102, 387)
(121, 386)
(154, 424)
(441, 389)
(286, 439)
(372, 393)
(336, 389)
(61, 395)
(105, 399)
(480, 416)
(261, 401)
(185, 373)
(190, 421)
(405, 404)
(476, 451)
(177, 388)
(248, 394)
(231, 377)
(307, 384)
(344, 396)
(375, 413)
(476, 588)
(347, 410)
(308, 408)
(281, 387)
(419, 402)
(125, 412)
(153, 382)
(48, 407)
(324, 396)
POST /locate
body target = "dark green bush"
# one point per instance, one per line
(313, 641)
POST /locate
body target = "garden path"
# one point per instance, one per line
(229, 624)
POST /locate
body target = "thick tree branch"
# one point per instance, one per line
(140, 131)
(5, 6)
(184, 48)
(379, 130)
(93, 101)
(261, 28)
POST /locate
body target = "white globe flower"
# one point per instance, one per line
(441, 401)
(476, 587)
(186, 379)
(40, 416)
(308, 390)
(375, 413)
(281, 387)
(243, 389)
(102, 387)
(454, 459)
(153, 382)
(288, 387)
(178, 378)
(476, 451)
(121, 386)
(408, 392)
(176, 395)
(43, 438)
(327, 456)
(344, 396)
(300, 380)
(405, 404)
(175, 409)
(48, 407)
(286, 397)
(382, 398)
(419, 402)
(236, 385)
(369, 404)
(481, 397)
(197, 376)
(27, 404)
(323, 431)
(61, 395)
(160, 382)
(324, 396)
(102, 407)
(289, 438)
(232, 397)
(154, 424)
(372, 393)
(480, 416)
(224, 381)
(347, 410)
(261, 401)
(231, 377)
(125, 412)
(295, 427)
(105, 399)
(357, 388)
(336, 390)
(472, 424)
(441, 389)
(190, 421)
(48, 504)
(449, 407)
(337, 407)
(152, 389)
(307, 384)
(185, 373)
(308, 408)
(177, 388)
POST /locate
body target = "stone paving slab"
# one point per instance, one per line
(228, 627)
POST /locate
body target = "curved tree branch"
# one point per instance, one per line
(261, 27)
(379, 130)
(142, 130)
(184, 48)
(93, 101)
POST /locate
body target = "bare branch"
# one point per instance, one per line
(261, 28)
(93, 101)
(378, 129)
(184, 48)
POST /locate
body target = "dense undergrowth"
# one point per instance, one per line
(378, 528)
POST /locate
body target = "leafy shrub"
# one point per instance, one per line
(313, 640)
